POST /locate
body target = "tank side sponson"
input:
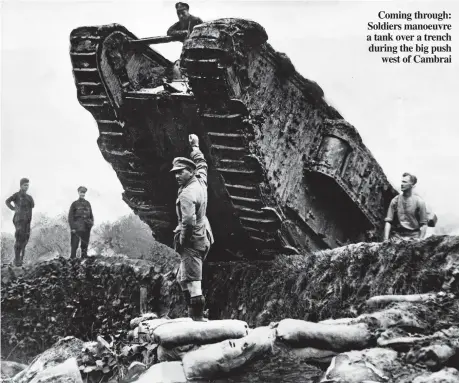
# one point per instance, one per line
(255, 101)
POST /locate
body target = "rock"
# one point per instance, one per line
(358, 366)
(66, 372)
(213, 360)
(136, 321)
(299, 333)
(61, 351)
(177, 334)
(433, 356)
(447, 375)
(166, 372)
(10, 369)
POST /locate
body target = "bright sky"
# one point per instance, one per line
(406, 114)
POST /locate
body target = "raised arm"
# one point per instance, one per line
(198, 158)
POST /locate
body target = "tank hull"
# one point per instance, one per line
(286, 172)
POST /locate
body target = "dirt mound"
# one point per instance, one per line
(334, 283)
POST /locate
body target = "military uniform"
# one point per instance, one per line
(81, 220)
(407, 214)
(23, 205)
(179, 27)
(193, 234)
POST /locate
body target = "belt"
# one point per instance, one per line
(404, 230)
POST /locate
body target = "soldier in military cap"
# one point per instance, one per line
(81, 220)
(183, 28)
(193, 235)
(23, 205)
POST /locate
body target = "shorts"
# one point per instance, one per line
(406, 235)
(191, 264)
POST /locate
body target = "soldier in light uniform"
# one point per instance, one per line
(23, 205)
(193, 235)
(407, 213)
(183, 28)
(81, 220)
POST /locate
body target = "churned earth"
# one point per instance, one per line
(417, 334)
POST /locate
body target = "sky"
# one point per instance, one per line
(406, 114)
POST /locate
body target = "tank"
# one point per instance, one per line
(287, 174)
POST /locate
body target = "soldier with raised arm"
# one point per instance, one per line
(183, 28)
(23, 205)
(193, 235)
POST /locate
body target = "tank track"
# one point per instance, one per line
(113, 141)
(226, 123)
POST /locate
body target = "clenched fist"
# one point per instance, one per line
(194, 140)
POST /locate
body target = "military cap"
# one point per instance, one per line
(180, 163)
(180, 6)
(83, 189)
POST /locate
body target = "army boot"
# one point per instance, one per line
(197, 308)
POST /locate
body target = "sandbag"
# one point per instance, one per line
(411, 298)
(340, 337)
(166, 372)
(145, 329)
(212, 360)
(144, 317)
(177, 334)
(446, 375)
(175, 353)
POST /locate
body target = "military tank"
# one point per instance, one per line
(287, 173)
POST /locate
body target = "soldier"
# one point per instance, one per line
(23, 205)
(81, 221)
(183, 28)
(193, 235)
(407, 215)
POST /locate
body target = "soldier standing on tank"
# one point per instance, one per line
(81, 220)
(23, 205)
(183, 28)
(407, 213)
(193, 235)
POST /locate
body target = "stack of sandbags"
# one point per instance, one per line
(337, 337)
(212, 361)
(175, 338)
(207, 349)
(319, 342)
(144, 330)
